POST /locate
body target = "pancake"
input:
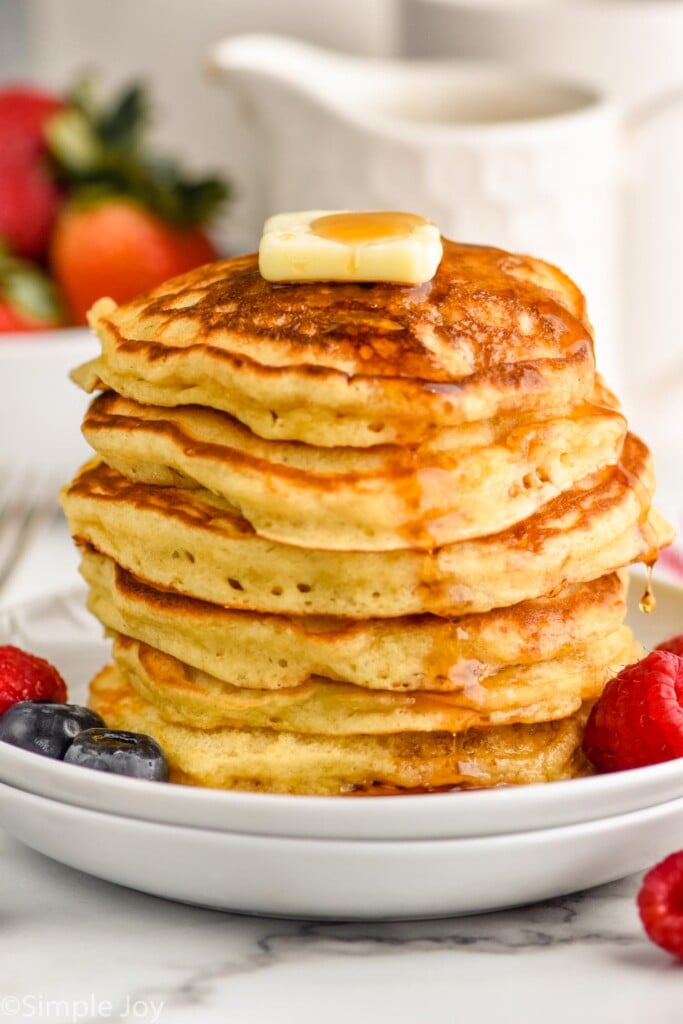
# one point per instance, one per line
(402, 654)
(359, 538)
(352, 364)
(190, 542)
(345, 499)
(286, 762)
(541, 692)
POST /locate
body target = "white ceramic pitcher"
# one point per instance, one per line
(634, 49)
(491, 153)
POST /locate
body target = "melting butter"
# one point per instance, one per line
(344, 245)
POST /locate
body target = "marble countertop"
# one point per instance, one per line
(73, 948)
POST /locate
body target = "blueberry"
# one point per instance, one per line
(45, 728)
(123, 753)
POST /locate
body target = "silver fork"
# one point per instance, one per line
(28, 501)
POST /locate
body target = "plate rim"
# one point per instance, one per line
(568, 831)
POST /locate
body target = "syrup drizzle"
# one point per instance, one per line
(366, 227)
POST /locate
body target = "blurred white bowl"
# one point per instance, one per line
(40, 407)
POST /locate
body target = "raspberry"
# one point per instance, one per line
(26, 677)
(674, 644)
(638, 720)
(660, 904)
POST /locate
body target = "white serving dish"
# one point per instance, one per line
(342, 879)
(40, 407)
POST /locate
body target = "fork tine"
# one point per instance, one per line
(27, 503)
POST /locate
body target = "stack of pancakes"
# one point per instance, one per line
(359, 538)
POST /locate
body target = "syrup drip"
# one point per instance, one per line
(648, 602)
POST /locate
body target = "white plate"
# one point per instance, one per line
(342, 879)
(60, 629)
(40, 408)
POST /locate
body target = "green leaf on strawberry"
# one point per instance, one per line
(72, 144)
(28, 294)
(121, 126)
(99, 150)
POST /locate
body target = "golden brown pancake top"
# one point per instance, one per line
(483, 308)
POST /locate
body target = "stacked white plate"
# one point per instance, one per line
(40, 408)
(377, 858)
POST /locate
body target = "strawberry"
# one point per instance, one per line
(25, 676)
(132, 221)
(660, 904)
(29, 195)
(28, 301)
(638, 719)
(24, 114)
(13, 321)
(29, 201)
(119, 248)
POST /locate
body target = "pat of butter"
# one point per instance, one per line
(343, 245)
